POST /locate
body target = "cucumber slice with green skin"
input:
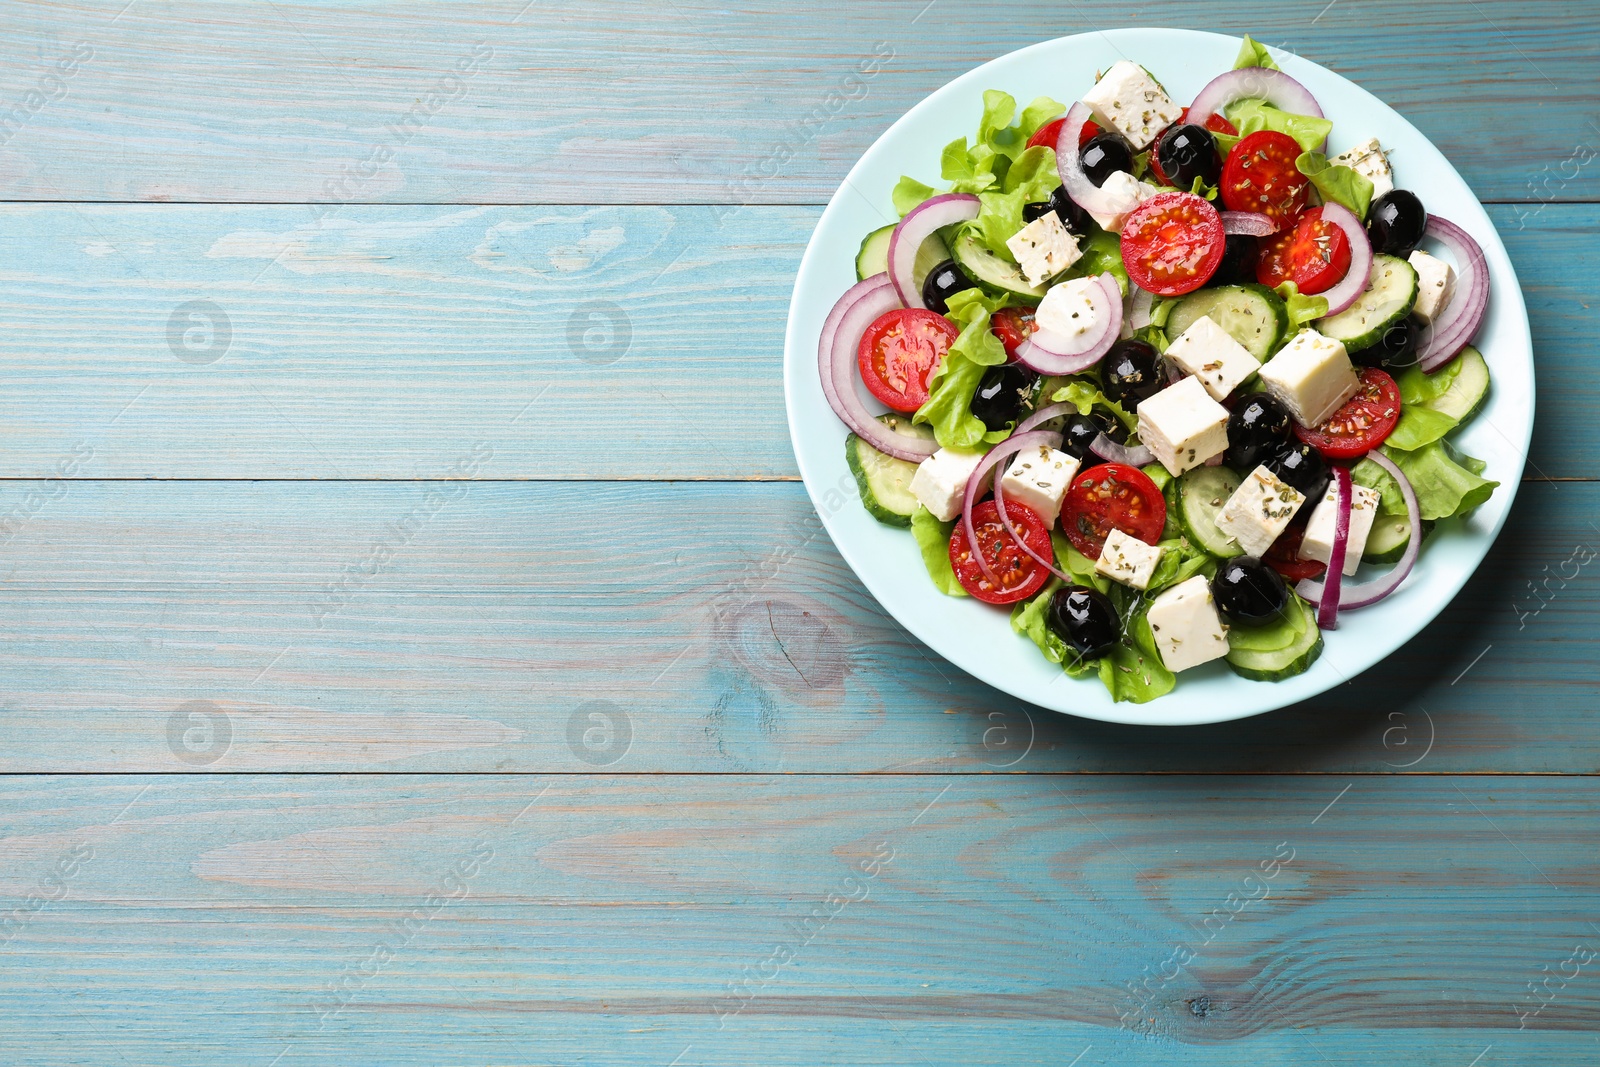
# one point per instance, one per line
(884, 481)
(986, 268)
(1253, 315)
(1201, 494)
(1389, 537)
(1469, 389)
(1390, 294)
(1294, 657)
(1275, 637)
(874, 255)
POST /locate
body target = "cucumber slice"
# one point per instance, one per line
(1201, 494)
(1390, 294)
(874, 255)
(884, 481)
(1275, 637)
(1294, 657)
(1253, 315)
(1469, 389)
(986, 268)
(1390, 534)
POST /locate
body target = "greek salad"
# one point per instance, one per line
(1173, 384)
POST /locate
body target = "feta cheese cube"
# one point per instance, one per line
(1043, 248)
(1186, 626)
(1039, 478)
(1436, 284)
(1318, 541)
(1312, 375)
(1076, 306)
(940, 483)
(1126, 193)
(1128, 101)
(1128, 560)
(1259, 510)
(1367, 159)
(1183, 426)
(1210, 353)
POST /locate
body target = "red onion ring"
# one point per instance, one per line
(1043, 415)
(1455, 326)
(1049, 353)
(1215, 461)
(1141, 303)
(1354, 282)
(1328, 604)
(1005, 449)
(1368, 593)
(860, 305)
(1005, 520)
(1111, 452)
(1262, 83)
(1252, 223)
(1069, 164)
(920, 223)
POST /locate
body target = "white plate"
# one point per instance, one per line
(978, 638)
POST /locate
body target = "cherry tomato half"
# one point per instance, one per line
(1050, 132)
(1216, 123)
(1260, 175)
(898, 353)
(1172, 243)
(1319, 254)
(1019, 573)
(1112, 496)
(1284, 556)
(1013, 325)
(1272, 263)
(1362, 424)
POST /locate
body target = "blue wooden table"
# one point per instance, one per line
(420, 650)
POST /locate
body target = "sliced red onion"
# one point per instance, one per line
(1174, 372)
(861, 304)
(1368, 593)
(1004, 450)
(1252, 223)
(1111, 452)
(1260, 83)
(1043, 415)
(1085, 193)
(933, 214)
(1328, 605)
(1050, 353)
(1214, 461)
(1354, 282)
(1454, 327)
(1141, 302)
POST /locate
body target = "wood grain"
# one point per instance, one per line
(685, 102)
(996, 920)
(371, 626)
(394, 342)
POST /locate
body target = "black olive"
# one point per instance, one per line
(1079, 430)
(1188, 152)
(1257, 428)
(1104, 155)
(1072, 216)
(1035, 210)
(1396, 349)
(1085, 619)
(1395, 223)
(1133, 372)
(1248, 592)
(1302, 467)
(1005, 394)
(943, 282)
(1239, 254)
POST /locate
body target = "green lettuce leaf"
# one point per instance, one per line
(1252, 116)
(948, 408)
(1102, 252)
(1254, 54)
(1132, 671)
(987, 162)
(1302, 309)
(1446, 483)
(1085, 395)
(1420, 424)
(933, 538)
(1181, 559)
(908, 193)
(1032, 177)
(1337, 183)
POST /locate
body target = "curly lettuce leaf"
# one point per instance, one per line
(948, 408)
(1253, 115)
(1337, 183)
(933, 538)
(1420, 423)
(1085, 395)
(1254, 54)
(1032, 177)
(908, 193)
(1133, 671)
(1302, 309)
(1446, 482)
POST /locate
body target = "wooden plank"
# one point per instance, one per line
(180, 626)
(892, 920)
(679, 103)
(394, 341)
